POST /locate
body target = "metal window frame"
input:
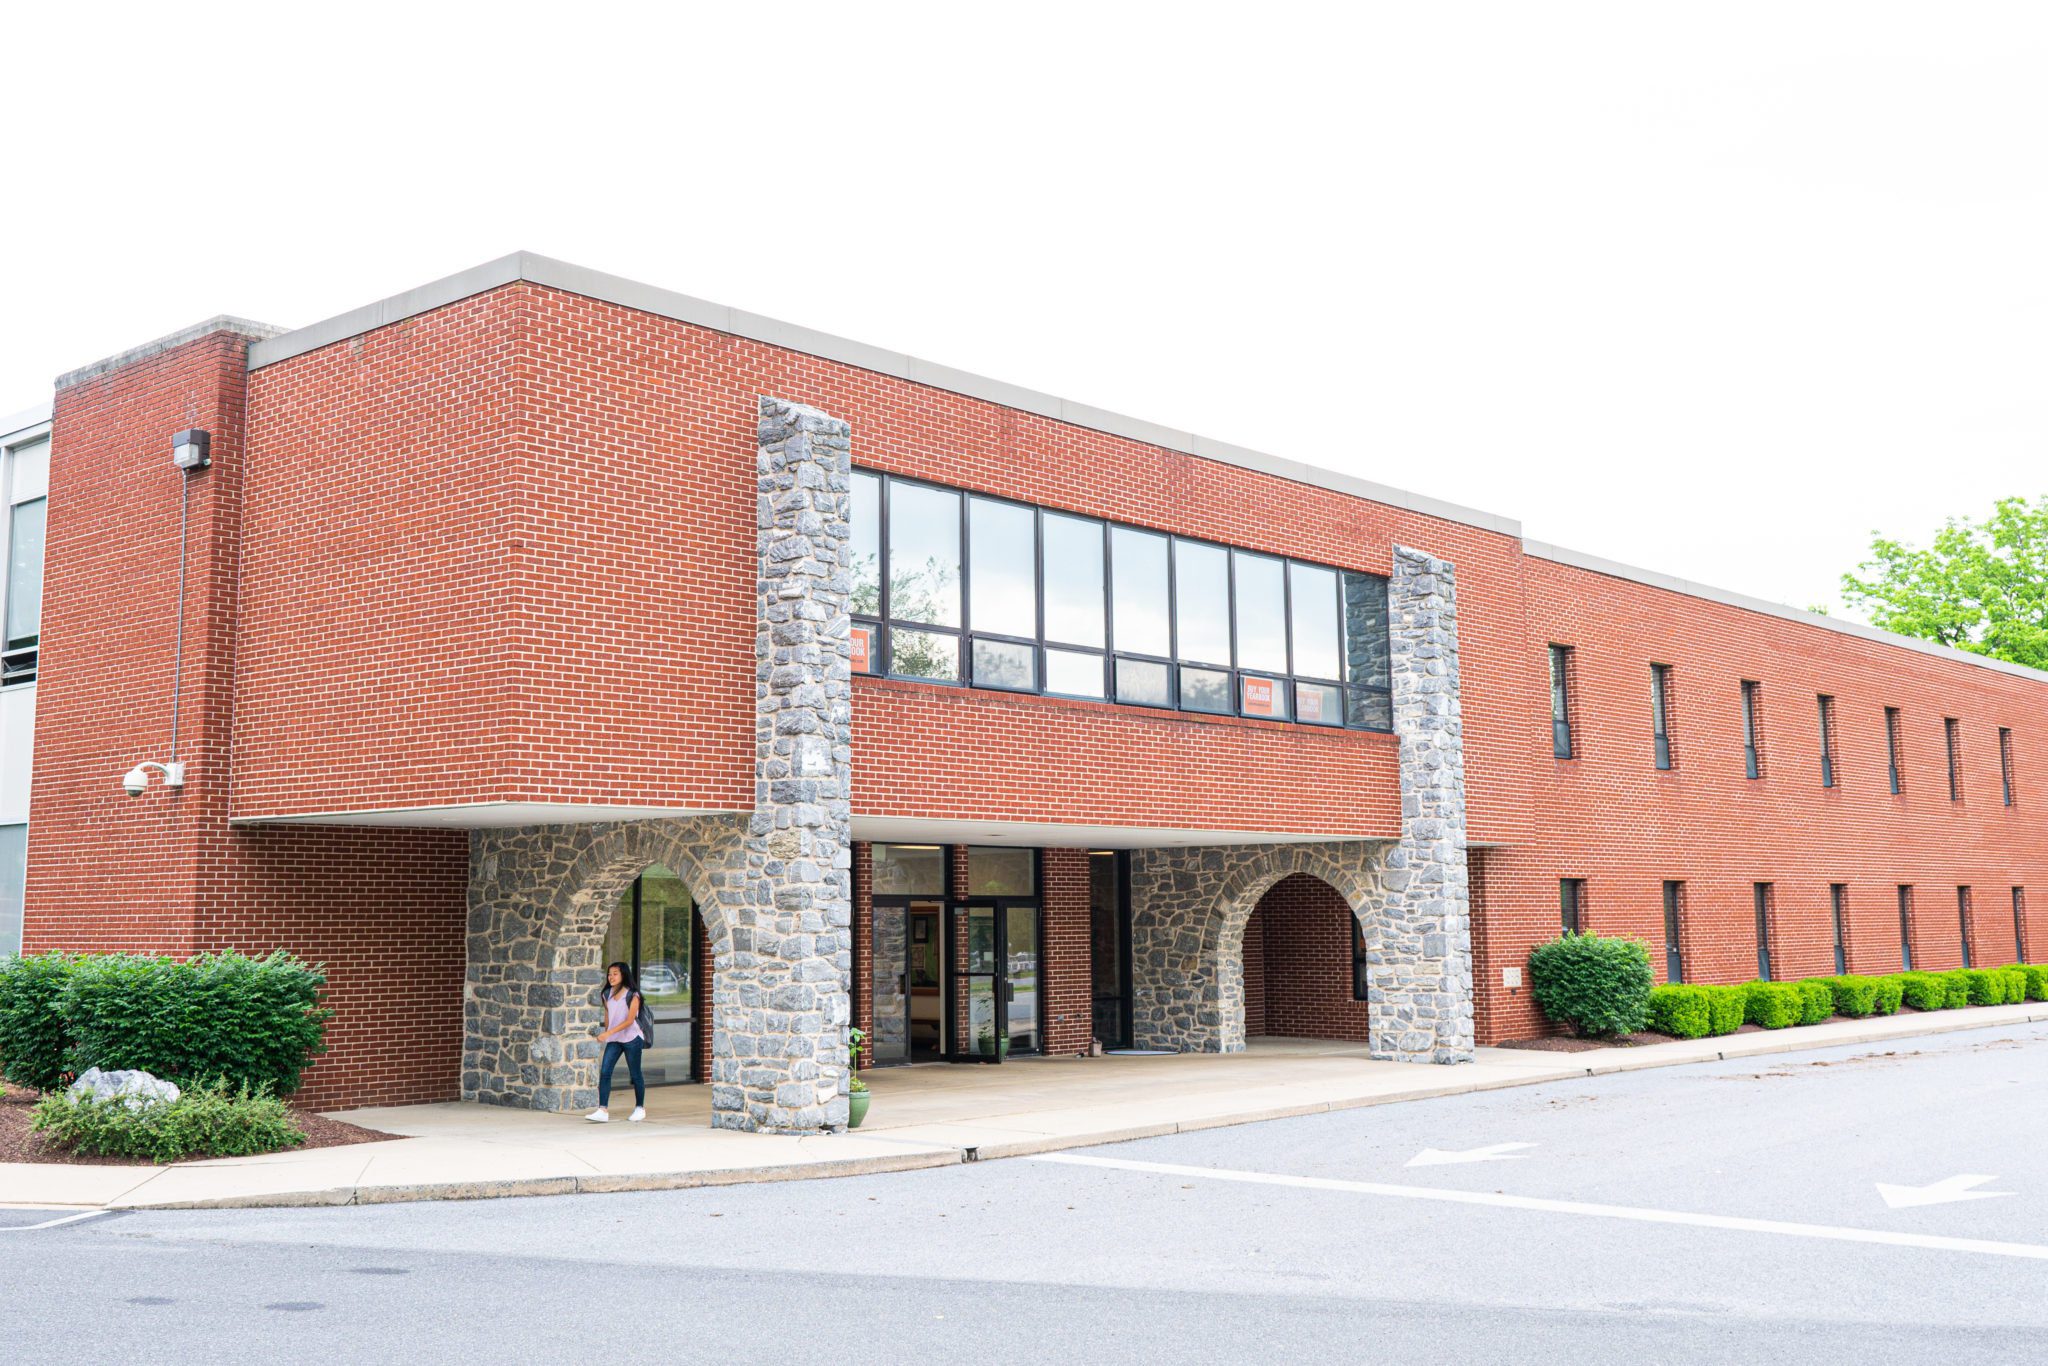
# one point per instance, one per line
(1125, 995)
(696, 956)
(1891, 746)
(1752, 729)
(1561, 746)
(884, 624)
(1838, 908)
(2005, 762)
(2019, 922)
(1674, 930)
(1571, 904)
(1660, 715)
(1951, 735)
(1763, 893)
(19, 657)
(1905, 926)
(1963, 919)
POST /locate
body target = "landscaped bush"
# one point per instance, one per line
(1889, 992)
(33, 1040)
(1855, 997)
(1986, 987)
(1727, 1007)
(1958, 987)
(251, 1022)
(2015, 983)
(1593, 984)
(206, 1121)
(2037, 982)
(1684, 1012)
(1816, 1000)
(1924, 990)
(1774, 1005)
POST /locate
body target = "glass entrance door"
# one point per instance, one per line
(973, 936)
(993, 992)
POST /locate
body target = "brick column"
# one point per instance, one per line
(779, 1057)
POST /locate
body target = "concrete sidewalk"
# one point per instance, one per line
(925, 1116)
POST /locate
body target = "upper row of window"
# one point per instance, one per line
(958, 587)
(1563, 707)
(24, 484)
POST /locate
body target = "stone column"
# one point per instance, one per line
(779, 1053)
(1422, 978)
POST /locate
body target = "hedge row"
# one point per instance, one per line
(1694, 1012)
(227, 1018)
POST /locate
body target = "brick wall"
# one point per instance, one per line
(1068, 954)
(383, 909)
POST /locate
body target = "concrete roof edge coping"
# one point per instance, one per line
(1671, 583)
(16, 423)
(223, 322)
(614, 289)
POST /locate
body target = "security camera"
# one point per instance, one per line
(136, 781)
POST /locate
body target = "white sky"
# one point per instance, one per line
(1712, 289)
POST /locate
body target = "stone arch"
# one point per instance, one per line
(540, 902)
(1188, 918)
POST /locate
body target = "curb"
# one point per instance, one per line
(949, 1157)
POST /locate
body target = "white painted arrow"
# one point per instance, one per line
(1495, 1152)
(1940, 1193)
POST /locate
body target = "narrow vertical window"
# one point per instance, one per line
(1571, 897)
(1838, 905)
(1674, 950)
(2005, 762)
(1361, 961)
(1963, 925)
(1560, 701)
(923, 583)
(1891, 746)
(1952, 732)
(1752, 730)
(864, 572)
(13, 876)
(24, 481)
(1660, 713)
(2019, 924)
(1762, 893)
(1905, 927)
(1827, 741)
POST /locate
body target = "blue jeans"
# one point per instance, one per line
(632, 1050)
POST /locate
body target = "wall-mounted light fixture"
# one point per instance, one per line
(137, 780)
(191, 449)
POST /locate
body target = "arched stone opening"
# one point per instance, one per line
(1305, 964)
(541, 904)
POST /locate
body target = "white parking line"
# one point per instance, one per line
(51, 1223)
(1884, 1237)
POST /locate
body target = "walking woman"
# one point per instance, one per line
(621, 1036)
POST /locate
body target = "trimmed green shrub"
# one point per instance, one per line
(205, 1121)
(1774, 1005)
(249, 1022)
(1681, 1011)
(1985, 987)
(1816, 1000)
(2037, 982)
(2015, 983)
(1727, 1007)
(1594, 984)
(1889, 992)
(1855, 997)
(1957, 982)
(33, 1040)
(1924, 990)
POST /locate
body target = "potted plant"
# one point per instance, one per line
(856, 1090)
(992, 1044)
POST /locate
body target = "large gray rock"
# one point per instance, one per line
(136, 1089)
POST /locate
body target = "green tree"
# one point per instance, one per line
(1981, 586)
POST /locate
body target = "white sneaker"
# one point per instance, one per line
(639, 1113)
(599, 1116)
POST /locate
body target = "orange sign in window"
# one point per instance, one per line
(1308, 703)
(1258, 697)
(863, 644)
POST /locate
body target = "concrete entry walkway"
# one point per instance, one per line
(926, 1116)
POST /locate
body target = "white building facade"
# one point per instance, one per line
(24, 500)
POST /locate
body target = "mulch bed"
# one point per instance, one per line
(1561, 1043)
(18, 1143)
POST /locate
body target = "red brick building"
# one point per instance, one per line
(536, 619)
